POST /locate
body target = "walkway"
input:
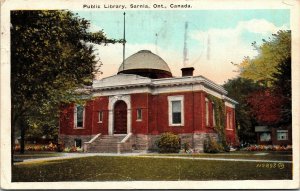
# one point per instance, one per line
(144, 155)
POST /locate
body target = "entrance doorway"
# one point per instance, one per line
(120, 117)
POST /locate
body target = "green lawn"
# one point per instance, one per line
(34, 155)
(282, 156)
(121, 168)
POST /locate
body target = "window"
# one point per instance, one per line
(282, 135)
(176, 115)
(139, 114)
(79, 116)
(78, 143)
(206, 112)
(100, 117)
(265, 137)
(229, 120)
(176, 112)
(213, 113)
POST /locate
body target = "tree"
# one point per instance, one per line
(51, 56)
(271, 53)
(282, 88)
(239, 90)
(271, 69)
(265, 106)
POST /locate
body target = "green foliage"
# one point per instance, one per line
(212, 146)
(282, 88)
(239, 90)
(168, 143)
(219, 117)
(51, 56)
(271, 53)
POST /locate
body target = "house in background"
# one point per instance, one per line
(132, 108)
(266, 135)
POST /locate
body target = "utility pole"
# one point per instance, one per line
(185, 50)
(124, 41)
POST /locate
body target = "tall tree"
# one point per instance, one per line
(271, 104)
(51, 56)
(272, 52)
(282, 88)
(239, 89)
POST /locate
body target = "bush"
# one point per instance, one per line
(212, 146)
(168, 143)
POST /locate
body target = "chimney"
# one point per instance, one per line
(187, 71)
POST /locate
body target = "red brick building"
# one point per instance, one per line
(131, 109)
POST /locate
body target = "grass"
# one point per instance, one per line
(282, 156)
(121, 168)
(34, 155)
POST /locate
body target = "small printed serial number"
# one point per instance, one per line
(270, 165)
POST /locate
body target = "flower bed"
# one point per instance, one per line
(37, 147)
(50, 147)
(267, 148)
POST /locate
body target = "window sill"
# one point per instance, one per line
(176, 125)
(78, 128)
(229, 129)
(100, 122)
(139, 120)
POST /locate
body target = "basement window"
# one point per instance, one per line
(78, 143)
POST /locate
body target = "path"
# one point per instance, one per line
(143, 155)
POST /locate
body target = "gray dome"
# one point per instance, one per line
(144, 60)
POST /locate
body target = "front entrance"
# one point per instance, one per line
(120, 117)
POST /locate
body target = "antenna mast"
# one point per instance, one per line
(124, 40)
(185, 50)
(208, 48)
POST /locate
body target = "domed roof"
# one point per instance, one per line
(145, 60)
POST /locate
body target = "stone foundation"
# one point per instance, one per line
(144, 142)
(147, 142)
(69, 140)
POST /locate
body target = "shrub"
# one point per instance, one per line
(168, 143)
(212, 146)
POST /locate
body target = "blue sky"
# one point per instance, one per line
(215, 37)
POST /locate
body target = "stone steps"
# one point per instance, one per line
(106, 144)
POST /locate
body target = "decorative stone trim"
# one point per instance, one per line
(111, 104)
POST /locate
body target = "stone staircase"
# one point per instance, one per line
(105, 144)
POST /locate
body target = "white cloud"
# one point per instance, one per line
(259, 26)
(223, 46)
(217, 49)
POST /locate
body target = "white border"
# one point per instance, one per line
(8, 5)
